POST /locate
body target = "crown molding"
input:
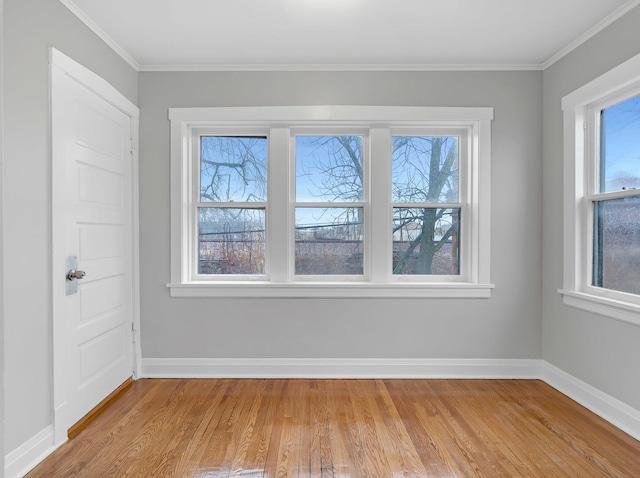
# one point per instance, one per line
(84, 18)
(343, 67)
(594, 30)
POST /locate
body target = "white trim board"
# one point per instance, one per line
(591, 32)
(24, 458)
(618, 413)
(332, 67)
(100, 33)
(340, 368)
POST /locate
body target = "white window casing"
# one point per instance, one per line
(581, 110)
(377, 125)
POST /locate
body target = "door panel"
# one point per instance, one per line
(100, 241)
(100, 187)
(100, 352)
(101, 296)
(96, 209)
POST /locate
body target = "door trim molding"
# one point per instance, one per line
(60, 67)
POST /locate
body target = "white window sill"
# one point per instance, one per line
(612, 308)
(330, 290)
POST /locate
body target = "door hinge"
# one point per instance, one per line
(132, 146)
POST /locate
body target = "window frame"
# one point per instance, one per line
(281, 124)
(581, 110)
(194, 192)
(364, 203)
(464, 203)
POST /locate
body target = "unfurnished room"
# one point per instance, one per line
(320, 238)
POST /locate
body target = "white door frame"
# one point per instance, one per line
(62, 64)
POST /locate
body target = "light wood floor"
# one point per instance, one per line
(345, 428)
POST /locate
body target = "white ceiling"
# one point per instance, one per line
(345, 34)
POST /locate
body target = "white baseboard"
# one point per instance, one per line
(340, 368)
(24, 458)
(614, 411)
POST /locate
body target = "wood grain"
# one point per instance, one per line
(96, 411)
(345, 428)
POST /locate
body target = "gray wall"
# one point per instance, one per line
(600, 351)
(506, 326)
(30, 28)
(1, 251)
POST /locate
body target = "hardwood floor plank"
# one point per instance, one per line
(345, 428)
(178, 431)
(189, 461)
(419, 431)
(335, 456)
(403, 456)
(276, 433)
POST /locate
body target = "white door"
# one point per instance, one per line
(92, 221)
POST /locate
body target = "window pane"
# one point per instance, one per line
(424, 169)
(329, 168)
(329, 241)
(426, 241)
(233, 168)
(620, 146)
(616, 245)
(231, 241)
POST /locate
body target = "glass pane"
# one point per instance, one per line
(424, 169)
(616, 245)
(426, 241)
(231, 241)
(620, 146)
(329, 241)
(233, 168)
(328, 168)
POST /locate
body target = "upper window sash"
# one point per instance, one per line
(379, 122)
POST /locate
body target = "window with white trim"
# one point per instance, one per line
(330, 201)
(602, 194)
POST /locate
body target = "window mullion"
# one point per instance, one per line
(279, 224)
(193, 192)
(379, 231)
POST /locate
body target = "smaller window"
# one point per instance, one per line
(602, 194)
(231, 210)
(426, 205)
(616, 220)
(329, 209)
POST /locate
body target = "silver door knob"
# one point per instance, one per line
(73, 274)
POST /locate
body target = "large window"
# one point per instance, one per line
(602, 168)
(330, 202)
